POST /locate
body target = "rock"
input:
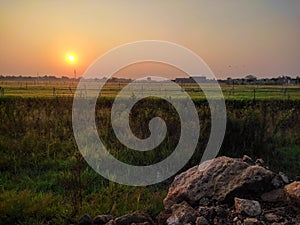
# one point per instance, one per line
(85, 220)
(293, 193)
(201, 221)
(250, 207)
(163, 216)
(271, 217)
(277, 181)
(102, 219)
(208, 212)
(181, 214)
(213, 212)
(284, 177)
(111, 222)
(277, 195)
(248, 160)
(251, 221)
(136, 217)
(219, 180)
(260, 162)
(145, 223)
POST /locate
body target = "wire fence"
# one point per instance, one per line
(111, 89)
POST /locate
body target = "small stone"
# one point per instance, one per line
(182, 213)
(250, 207)
(136, 217)
(201, 221)
(163, 216)
(111, 222)
(208, 212)
(85, 220)
(284, 177)
(277, 181)
(248, 159)
(145, 223)
(251, 221)
(260, 162)
(271, 217)
(102, 219)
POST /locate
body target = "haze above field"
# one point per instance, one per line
(235, 38)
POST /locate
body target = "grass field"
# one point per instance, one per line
(45, 180)
(67, 89)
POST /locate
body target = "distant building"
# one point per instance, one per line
(194, 79)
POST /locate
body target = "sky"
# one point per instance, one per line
(234, 37)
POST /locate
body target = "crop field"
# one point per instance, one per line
(50, 89)
(45, 180)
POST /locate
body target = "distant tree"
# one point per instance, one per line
(250, 78)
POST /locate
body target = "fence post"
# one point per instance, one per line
(254, 94)
(54, 92)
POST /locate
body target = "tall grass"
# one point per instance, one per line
(44, 178)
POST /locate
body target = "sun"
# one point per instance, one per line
(71, 58)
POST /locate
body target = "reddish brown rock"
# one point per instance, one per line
(293, 193)
(251, 221)
(182, 213)
(277, 195)
(219, 180)
(201, 221)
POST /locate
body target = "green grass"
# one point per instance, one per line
(44, 179)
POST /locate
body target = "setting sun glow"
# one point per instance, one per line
(71, 58)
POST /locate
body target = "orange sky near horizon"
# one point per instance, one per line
(234, 38)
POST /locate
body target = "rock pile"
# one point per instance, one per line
(222, 191)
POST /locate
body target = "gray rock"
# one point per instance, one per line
(102, 219)
(250, 207)
(248, 160)
(277, 181)
(136, 217)
(85, 220)
(284, 177)
(220, 180)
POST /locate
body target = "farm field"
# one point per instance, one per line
(45, 180)
(50, 89)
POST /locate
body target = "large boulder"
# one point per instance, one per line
(220, 180)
